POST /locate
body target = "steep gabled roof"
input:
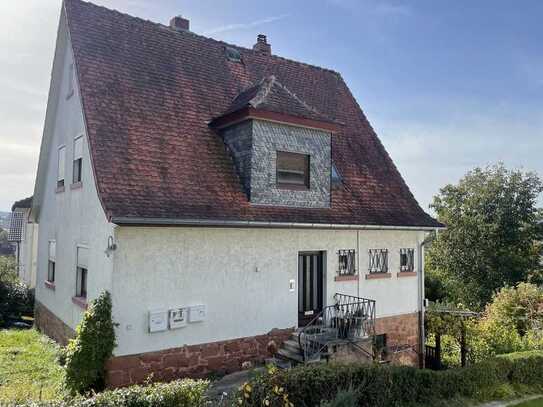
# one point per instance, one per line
(148, 93)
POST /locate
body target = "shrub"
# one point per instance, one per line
(93, 345)
(180, 393)
(344, 398)
(398, 386)
(16, 299)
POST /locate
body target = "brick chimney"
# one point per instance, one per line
(262, 45)
(179, 23)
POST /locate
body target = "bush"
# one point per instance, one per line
(93, 345)
(180, 393)
(344, 398)
(16, 299)
(398, 386)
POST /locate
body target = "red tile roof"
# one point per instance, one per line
(148, 94)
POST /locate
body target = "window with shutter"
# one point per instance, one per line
(292, 170)
(81, 272)
(78, 159)
(61, 166)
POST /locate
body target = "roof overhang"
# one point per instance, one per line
(139, 221)
(248, 113)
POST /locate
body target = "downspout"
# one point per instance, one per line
(358, 262)
(422, 298)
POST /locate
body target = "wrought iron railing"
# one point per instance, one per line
(350, 319)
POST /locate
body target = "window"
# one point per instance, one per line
(292, 170)
(335, 176)
(347, 262)
(81, 272)
(61, 166)
(378, 261)
(381, 346)
(78, 159)
(71, 79)
(407, 260)
(52, 262)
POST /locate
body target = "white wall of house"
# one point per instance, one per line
(242, 276)
(73, 217)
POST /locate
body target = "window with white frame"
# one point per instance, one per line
(78, 159)
(347, 262)
(407, 260)
(81, 272)
(51, 267)
(61, 166)
(71, 79)
(378, 261)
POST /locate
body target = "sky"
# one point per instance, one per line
(447, 85)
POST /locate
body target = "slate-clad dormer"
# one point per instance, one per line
(280, 145)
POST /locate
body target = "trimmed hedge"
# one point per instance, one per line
(179, 393)
(308, 386)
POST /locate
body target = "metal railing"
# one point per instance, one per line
(350, 319)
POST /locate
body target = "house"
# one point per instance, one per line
(224, 196)
(23, 232)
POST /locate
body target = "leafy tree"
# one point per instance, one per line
(493, 236)
(93, 345)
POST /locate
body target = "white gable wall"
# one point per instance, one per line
(73, 217)
(242, 276)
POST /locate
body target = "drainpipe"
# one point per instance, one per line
(422, 296)
(358, 262)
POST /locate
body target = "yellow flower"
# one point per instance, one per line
(266, 402)
(247, 387)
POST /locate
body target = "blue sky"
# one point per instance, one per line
(448, 85)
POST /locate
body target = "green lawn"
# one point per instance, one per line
(531, 403)
(28, 367)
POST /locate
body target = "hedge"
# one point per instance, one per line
(179, 393)
(308, 386)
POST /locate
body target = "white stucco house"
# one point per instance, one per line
(23, 232)
(224, 196)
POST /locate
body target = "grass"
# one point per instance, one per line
(28, 367)
(531, 403)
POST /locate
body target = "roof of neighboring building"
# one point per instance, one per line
(149, 94)
(16, 226)
(25, 203)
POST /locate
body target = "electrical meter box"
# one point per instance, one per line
(197, 313)
(158, 320)
(178, 318)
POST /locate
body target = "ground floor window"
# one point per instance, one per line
(81, 282)
(51, 272)
(378, 261)
(82, 272)
(407, 260)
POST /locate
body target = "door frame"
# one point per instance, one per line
(322, 257)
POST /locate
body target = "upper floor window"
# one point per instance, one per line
(347, 262)
(52, 262)
(78, 159)
(378, 261)
(81, 272)
(71, 79)
(407, 260)
(61, 166)
(292, 170)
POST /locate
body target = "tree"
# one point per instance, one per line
(493, 236)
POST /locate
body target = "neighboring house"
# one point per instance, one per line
(23, 232)
(223, 195)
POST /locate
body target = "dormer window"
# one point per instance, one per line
(292, 170)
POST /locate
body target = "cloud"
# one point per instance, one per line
(244, 26)
(431, 155)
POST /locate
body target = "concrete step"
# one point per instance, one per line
(289, 355)
(292, 345)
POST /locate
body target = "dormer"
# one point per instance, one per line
(281, 146)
